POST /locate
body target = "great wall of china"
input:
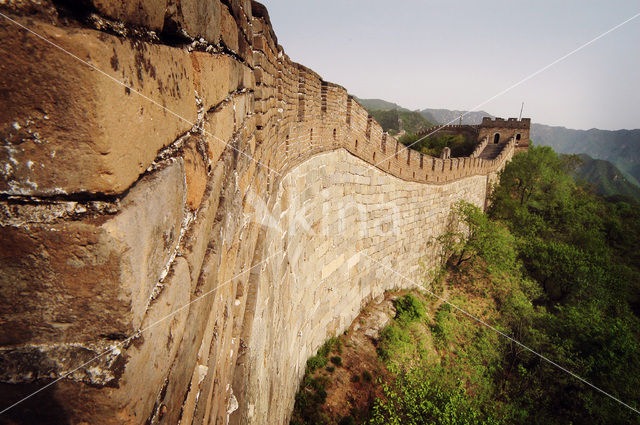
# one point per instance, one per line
(186, 215)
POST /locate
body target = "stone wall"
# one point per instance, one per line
(186, 214)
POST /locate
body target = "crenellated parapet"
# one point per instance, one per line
(177, 197)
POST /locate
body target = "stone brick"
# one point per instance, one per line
(229, 33)
(216, 76)
(70, 128)
(156, 348)
(195, 245)
(195, 169)
(201, 18)
(146, 13)
(78, 281)
(219, 126)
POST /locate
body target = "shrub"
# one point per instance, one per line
(442, 327)
(415, 399)
(408, 309)
(316, 362)
(366, 376)
(336, 360)
(392, 338)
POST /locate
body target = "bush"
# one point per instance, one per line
(408, 309)
(392, 338)
(366, 376)
(316, 362)
(415, 399)
(336, 360)
(441, 328)
(309, 399)
(331, 344)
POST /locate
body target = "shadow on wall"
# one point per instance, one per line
(43, 408)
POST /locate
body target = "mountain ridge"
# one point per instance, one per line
(619, 148)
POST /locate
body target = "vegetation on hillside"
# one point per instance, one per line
(378, 104)
(447, 116)
(552, 266)
(604, 178)
(412, 123)
(620, 147)
(460, 144)
(389, 120)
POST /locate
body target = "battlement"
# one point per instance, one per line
(523, 123)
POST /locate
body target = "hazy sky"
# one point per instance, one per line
(457, 54)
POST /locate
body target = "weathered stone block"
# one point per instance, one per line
(201, 18)
(195, 167)
(219, 126)
(216, 77)
(229, 31)
(154, 352)
(146, 13)
(78, 281)
(66, 127)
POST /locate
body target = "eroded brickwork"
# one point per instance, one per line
(187, 214)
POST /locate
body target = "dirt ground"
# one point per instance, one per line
(351, 387)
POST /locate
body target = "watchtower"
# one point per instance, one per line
(499, 130)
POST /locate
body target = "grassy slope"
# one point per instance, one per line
(457, 354)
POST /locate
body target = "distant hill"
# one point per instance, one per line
(620, 147)
(411, 121)
(606, 178)
(379, 104)
(444, 116)
(435, 116)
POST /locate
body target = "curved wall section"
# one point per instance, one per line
(181, 229)
(337, 227)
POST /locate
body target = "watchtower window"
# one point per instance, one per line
(518, 136)
(496, 138)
